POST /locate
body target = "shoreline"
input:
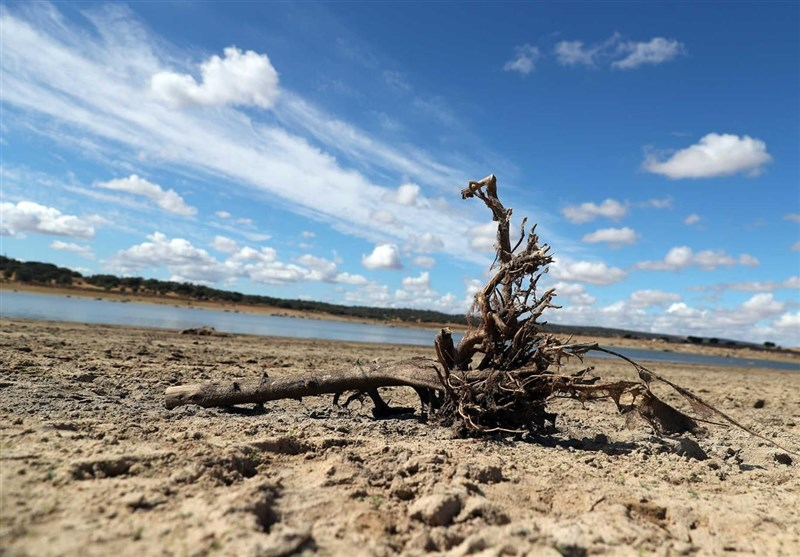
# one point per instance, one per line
(786, 355)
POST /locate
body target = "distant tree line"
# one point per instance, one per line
(32, 272)
(47, 274)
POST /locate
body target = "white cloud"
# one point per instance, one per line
(714, 155)
(586, 271)
(794, 217)
(186, 262)
(224, 244)
(240, 78)
(613, 236)
(223, 214)
(762, 305)
(621, 54)
(168, 200)
(694, 218)
(425, 243)
(655, 51)
(790, 323)
(665, 203)
(650, 298)
(524, 60)
(425, 261)
(585, 212)
(406, 194)
(748, 260)
(90, 84)
(384, 256)
(682, 257)
(27, 216)
(571, 53)
(83, 251)
(384, 217)
(482, 237)
(795, 246)
(575, 293)
(422, 282)
(307, 234)
(792, 283)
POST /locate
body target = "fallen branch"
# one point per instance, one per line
(504, 371)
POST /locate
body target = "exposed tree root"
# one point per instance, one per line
(504, 370)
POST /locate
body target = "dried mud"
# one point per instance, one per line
(91, 463)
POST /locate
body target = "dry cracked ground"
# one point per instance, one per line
(92, 463)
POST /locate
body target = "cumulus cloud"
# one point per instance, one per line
(406, 194)
(586, 271)
(613, 236)
(240, 78)
(384, 256)
(168, 200)
(585, 212)
(714, 155)
(682, 257)
(790, 323)
(83, 251)
(575, 293)
(425, 243)
(422, 282)
(524, 61)
(187, 262)
(27, 216)
(483, 237)
(224, 244)
(694, 218)
(68, 81)
(655, 51)
(651, 298)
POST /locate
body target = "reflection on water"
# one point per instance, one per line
(83, 310)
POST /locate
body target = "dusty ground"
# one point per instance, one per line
(92, 464)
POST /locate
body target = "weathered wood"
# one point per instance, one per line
(420, 373)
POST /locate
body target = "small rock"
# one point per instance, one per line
(690, 449)
(438, 509)
(478, 506)
(284, 542)
(782, 458)
(759, 403)
(488, 475)
(421, 541)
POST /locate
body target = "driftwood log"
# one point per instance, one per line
(504, 370)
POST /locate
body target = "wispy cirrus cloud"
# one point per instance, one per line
(100, 85)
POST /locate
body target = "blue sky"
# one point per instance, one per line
(317, 151)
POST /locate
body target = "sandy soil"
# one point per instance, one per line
(92, 464)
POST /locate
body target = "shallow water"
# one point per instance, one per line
(24, 305)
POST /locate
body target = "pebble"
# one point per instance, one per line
(438, 509)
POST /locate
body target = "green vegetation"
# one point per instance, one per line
(47, 274)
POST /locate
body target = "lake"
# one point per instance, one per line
(24, 305)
